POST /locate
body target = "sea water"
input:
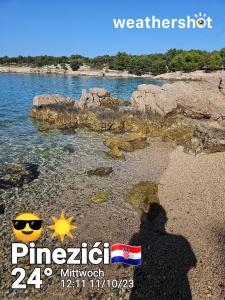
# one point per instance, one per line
(20, 140)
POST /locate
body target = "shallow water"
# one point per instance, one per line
(19, 138)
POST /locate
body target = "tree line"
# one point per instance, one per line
(172, 60)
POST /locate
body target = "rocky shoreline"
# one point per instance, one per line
(87, 71)
(189, 113)
(52, 70)
(163, 148)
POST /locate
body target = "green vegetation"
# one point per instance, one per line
(172, 60)
(75, 64)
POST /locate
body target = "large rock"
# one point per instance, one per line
(53, 99)
(101, 93)
(87, 100)
(16, 174)
(96, 98)
(195, 99)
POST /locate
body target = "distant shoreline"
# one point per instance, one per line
(80, 72)
(50, 70)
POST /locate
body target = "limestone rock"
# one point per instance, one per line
(50, 99)
(91, 99)
(101, 93)
(97, 97)
(195, 99)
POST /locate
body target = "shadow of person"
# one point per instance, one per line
(166, 260)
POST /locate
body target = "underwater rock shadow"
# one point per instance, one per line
(17, 174)
(166, 260)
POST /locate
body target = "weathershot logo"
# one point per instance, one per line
(199, 21)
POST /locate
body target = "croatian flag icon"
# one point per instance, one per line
(126, 254)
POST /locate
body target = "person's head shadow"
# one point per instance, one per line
(166, 260)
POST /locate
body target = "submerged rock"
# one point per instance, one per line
(101, 171)
(16, 174)
(142, 195)
(100, 197)
(69, 148)
(127, 143)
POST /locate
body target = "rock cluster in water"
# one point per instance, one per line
(191, 114)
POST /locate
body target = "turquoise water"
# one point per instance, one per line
(19, 139)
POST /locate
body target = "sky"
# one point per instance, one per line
(65, 27)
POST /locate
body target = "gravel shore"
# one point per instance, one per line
(191, 191)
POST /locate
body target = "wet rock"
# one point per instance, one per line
(110, 102)
(141, 195)
(69, 148)
(50, 99)
(61, 117)
(17, 174)
(176, 127)
(116, 154)
(96, 110)
(127, 143)
(44, 127)
(134, 137)
(100, 197)
(101, 171)
(68, 131)
(212, 139)
(182, 135)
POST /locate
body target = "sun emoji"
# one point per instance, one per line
(62, 227)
